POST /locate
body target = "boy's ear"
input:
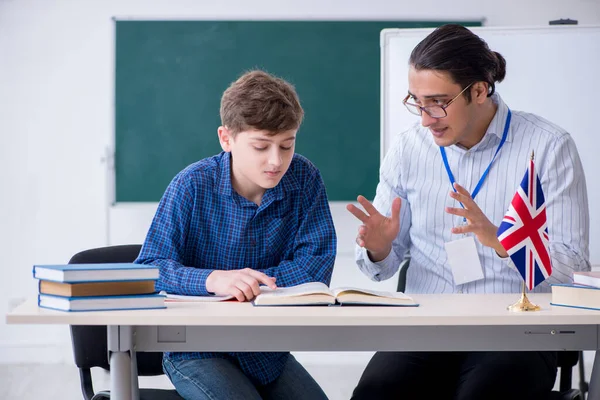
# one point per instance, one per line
(225, 138)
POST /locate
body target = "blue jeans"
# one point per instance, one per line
(221, 379)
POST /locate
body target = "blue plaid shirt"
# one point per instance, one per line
(202, 224)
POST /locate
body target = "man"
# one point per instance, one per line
(254, 214)
(453, 178)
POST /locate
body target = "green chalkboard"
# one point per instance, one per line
(170, 76)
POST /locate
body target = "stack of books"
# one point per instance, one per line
(96, 287)
(584, 292)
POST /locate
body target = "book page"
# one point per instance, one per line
(368, 292)
(180, 298)
(298, 290)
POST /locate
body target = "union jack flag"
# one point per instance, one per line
(524, 232)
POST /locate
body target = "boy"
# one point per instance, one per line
(254, 214)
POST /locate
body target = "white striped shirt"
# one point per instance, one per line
(414, 171)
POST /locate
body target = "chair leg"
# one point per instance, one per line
(583, 385)
(85, 379)
(566, 379)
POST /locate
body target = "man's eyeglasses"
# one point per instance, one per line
(434, 111)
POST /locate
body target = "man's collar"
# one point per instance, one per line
(496, 126)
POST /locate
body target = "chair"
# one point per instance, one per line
(566, 360)
(90, 341)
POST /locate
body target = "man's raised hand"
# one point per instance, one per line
(377, 232)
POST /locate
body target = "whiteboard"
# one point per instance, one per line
(550, 71)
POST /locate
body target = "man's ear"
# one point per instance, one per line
(480, 92)
(225, 138)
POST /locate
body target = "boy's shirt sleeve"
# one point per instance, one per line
(166, 242)
(315, 242)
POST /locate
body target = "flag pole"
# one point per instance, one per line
(524, 304)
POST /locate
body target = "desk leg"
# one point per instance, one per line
(594, 392)
(135, 385)
(123, 364)
(120, 376)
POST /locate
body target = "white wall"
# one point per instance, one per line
(56, 85)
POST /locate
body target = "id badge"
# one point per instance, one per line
(464, 260)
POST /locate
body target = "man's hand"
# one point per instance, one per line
(377, 232)
(477, 222)
(243, 284)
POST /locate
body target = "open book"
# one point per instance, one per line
(317, 293)
(180, 298)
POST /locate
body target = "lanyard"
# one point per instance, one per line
(482, 179)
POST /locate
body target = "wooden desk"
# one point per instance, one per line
(441, 323)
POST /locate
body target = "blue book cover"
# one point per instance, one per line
(102, 303)
(573, 285)
(72, 273)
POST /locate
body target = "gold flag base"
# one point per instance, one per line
(523, 304)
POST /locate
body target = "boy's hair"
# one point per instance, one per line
(258, 100)
(462, 54)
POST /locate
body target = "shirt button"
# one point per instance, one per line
(460, 291)
(253, 243)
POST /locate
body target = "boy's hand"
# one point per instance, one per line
(377, 232)
(241, 283)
